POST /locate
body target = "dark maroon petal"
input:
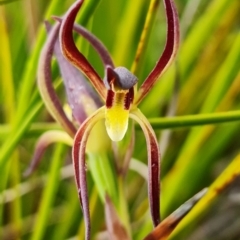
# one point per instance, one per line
(110, 98)
(169, 52)
(46, 89)
(153, 164)
(110, 77)
(71, 52)
(95, 42)
(78, 156)
(128, 98)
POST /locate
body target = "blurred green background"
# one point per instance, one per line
(205, 78)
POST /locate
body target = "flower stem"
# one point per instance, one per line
(194, 120)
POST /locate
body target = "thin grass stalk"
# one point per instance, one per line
(29, 76)
(8, 92)
(49, 194)
(71, 214)
(220, 184)
(25, 91)
(201, 77)
(192, 144)
(142, 45)
(199, 35)
(127, 27)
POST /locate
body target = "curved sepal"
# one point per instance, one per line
(168, 54)
(45, 140)
(71, 52)
(82, 99)
(153, 164)
(78, 156)
(94, 41)
(46, 89)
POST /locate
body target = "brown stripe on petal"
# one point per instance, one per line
(128, 99)
(110, 98)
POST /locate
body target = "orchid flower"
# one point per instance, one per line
(118, 91)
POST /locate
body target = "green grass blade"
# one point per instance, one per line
(221, 183)
(48, 195)
(200, 33)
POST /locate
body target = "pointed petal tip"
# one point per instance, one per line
(110, 75)
(56, 18)
(27, 172)
(114, 135)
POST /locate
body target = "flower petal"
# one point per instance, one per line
(94, 41)
(168, 54)
(78, 156)
(153, 164)
(82, 99)
(43, 143)
(71, 52)
(116, 115)
(45, 84)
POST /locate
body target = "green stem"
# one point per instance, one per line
(157, 123)
(13, 138)
(194, 120)
(123, 211)
(142, 45)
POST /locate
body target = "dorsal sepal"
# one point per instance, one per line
(119, 79)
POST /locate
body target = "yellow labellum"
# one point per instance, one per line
(116, 118)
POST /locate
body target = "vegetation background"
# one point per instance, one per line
(205, 79)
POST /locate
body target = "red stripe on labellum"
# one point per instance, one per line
(110, 98)
(128, 99)
(131, 94)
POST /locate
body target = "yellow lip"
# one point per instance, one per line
(116, 118)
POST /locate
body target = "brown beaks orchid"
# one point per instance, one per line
(118, 92)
